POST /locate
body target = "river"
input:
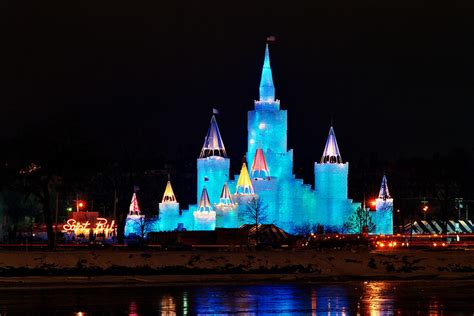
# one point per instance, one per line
(345, 298)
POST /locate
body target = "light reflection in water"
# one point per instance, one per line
(168, 306)
(378, 298)
(349, 298)
(132, 309)
(435, 307)
(185, 303)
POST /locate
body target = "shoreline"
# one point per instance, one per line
(100, 282)
(70, 269)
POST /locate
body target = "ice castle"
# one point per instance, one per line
(222, 201)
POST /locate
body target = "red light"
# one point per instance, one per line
(81, 204)
(373, 203)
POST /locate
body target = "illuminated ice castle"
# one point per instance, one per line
(384, 210)
(290, 203)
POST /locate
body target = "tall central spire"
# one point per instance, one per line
(267, 90)
(331, 152)
(213, 144)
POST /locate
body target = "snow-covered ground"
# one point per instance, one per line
(155, 267)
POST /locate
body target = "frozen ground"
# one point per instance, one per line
(156, 267)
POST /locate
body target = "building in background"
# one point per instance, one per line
(384, 210)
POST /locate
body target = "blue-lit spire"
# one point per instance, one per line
(213, 144)
(384, 194)
(331, 152)
(267, 90)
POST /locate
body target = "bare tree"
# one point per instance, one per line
(256, 212)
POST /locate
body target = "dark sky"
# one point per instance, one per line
(396, 76)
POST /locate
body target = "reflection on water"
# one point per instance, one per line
(377, 298)
(349, 298)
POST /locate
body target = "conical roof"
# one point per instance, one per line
(213, 144)
(168, 196)
(244, 185)
(384, 194)
(226, 197)
(267, 89)
(204, 202)
(331, 152)
(134, 208)
(259, 166)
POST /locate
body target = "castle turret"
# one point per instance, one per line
(384, 210)
(135, 222)
(330, 176)
(244, 185)
(204, 216)
(266, 186)
(226, 213)
(213, 164)
(243, 194)
(226, 197)
(267, 127)
(169, 216)
(259, 168)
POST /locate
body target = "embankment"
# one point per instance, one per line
(157, 267)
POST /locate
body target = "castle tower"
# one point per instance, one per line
(330, 176)
(169, 210)
(213, 164)
(384, 210)
(267, 127)
(204, 216)
(266, 186)
(226, 213)
(244, 192)
(135, 221)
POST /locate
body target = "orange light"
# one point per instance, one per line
(382, 244)
(373, 203)
(435, 244)
(425, 208)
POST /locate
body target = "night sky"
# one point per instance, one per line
(396, 78)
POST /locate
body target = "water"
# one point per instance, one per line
(349, 298)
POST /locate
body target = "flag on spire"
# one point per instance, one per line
(213, 144)
(384, 194)
(134, 209)
(244, 185)
(259, 166)
(331, 152)
(226, 197)
(271, 38)
(267, 89)
(168, 196)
